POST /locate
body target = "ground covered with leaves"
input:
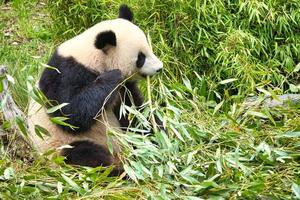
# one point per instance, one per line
(217, 54)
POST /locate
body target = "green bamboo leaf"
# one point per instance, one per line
(296, 190)
(73, 184)
(208, 183)
(130, 173)
(297, 68)
(59, 187)
(228, 81)
(9, 173)
(290, 134)
(10, 78)
(55, 108)
(203, 88)
(6, 125)
(40, 131)
(190, 179)
(218, 106)
(60, 121)
(177, 133)
(163, 139)
(267, 93)
(1, 86)
(110, 145)
(187, 83)
(21, 125)
(50, 67)
(257, 114)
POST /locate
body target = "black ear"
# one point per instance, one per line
(125, 13)
(104, 39)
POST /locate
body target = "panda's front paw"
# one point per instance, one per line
(110, 77)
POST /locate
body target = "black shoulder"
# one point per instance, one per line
(63, 74)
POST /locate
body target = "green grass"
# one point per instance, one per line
(216, 54)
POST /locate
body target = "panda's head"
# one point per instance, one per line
(114, 44)
(125, 46)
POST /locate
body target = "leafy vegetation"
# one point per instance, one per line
(216, 54)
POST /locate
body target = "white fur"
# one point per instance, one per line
(130, 41)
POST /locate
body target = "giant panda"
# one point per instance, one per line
(88, 71)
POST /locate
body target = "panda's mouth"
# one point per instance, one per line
(143, 75)
(137, 76)
(149, 71)
(144, 72)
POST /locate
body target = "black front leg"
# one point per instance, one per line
(131, 95)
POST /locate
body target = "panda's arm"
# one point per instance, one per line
(86, 103)
(85, 92)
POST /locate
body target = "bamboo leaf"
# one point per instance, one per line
(290, 134)
(218, 106)
(55, 108)
(296, 190)
(10, 78)
(257, 114)
(297, 68)
(228, 81)
(40, 131)
(21, 125)
(73, 184)
(60, 121)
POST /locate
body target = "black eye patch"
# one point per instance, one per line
(140, 60)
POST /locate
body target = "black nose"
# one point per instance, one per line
(159, 70)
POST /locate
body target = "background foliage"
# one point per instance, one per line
(216, 54)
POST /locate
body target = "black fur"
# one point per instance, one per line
(160, 124)
(128, 93)
(105, 38)
(85, 91)
(140, 60)
(131, 95)
(125, 13)
(86, 153)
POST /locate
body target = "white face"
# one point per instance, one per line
(132, 53)
(151, 65)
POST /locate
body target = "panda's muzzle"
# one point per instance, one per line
(151, 66)
(150, 74)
